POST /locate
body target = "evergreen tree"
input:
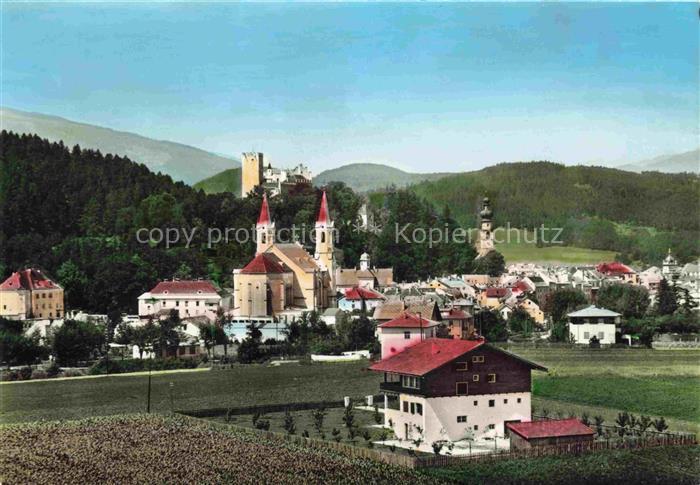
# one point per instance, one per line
(666, 300)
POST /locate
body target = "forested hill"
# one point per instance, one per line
(526, 194)
(364, 177)
(76, 213)
(226, 181)
(599, 208)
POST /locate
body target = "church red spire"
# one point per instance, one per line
(323, 217)
(264, 218)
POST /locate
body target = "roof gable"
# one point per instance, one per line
(263, 263)
(426, 356)
(409, 320)
(28, 279)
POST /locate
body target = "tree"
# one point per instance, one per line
(15, 347)
(355, 333)
(560, 302)
(168, 333)
(77, 341)
(318, 415)
(289, 424)
(207, 335)
(493, 264)
(249, 349)
(631, 301)
(145, 337)
(491, 326)
(521, 321)
(221, 322)
(666, 299)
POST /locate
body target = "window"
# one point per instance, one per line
(461, 388)
(197, 303)
(410, 381)
(492, 378)
(586, 335)
(407, 335)
(461, 419)
(601, 335)
(492, 426)
(520, 400)
(413, 408)
(478, 358)
(492, 403)
(405, 406)
(177, 302)
(419, 409)
(50, 295)
(475, 427)
(187, 303)
(505, 401)
(461, 366)
(476, 403)
(475, 378)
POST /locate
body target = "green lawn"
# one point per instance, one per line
(241, 386)
(677, 465)
(652, 382)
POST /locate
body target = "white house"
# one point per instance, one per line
(593, 321)
(403, 332)
(189, 298)
(357, 297)
(452, 390)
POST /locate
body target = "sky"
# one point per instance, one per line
(423, 86)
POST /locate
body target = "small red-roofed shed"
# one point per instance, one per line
(548, 433)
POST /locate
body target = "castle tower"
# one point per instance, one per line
(264, 229)
(251, 171)
(670, 266)
(364, 262)
(485, 243)
(324, 238)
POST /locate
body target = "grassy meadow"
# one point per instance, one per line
(516, 248)
(605, 382)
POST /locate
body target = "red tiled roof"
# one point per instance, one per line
(550, 428)
(614, 268)
(408, 320)
(184, 286)
(263, 263)
(28, 279)
(496, 292)
(521, 286)
(359, 293)
(455, 314)
(323, 217)
(426, 356)
(264, 217)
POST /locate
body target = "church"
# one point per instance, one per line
(284, 279)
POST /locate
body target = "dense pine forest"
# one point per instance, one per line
(76, 212)
(637, 215)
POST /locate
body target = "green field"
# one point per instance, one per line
(652, 382)
(516, 249)
(678, 465)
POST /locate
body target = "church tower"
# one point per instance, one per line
(264, 229)
(485, 243)
(324, 238)
(251, 171)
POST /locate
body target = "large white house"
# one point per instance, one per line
(189, 298)
(593, 322)
(453, 390)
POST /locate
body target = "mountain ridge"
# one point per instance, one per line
(182, 162)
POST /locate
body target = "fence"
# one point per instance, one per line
(557, 450)
(425, 461)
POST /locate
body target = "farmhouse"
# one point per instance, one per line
(548, 432)
(191, 298)
(455, 389)
(366, 276)
(593, 322)
(404, 331)
(30, 294)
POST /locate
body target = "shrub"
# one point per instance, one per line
(336, 435)
(39, 374)
(377, 415)
(25, 373)
(263, 424)
(53, 370)
(437, 446)
(289, 425)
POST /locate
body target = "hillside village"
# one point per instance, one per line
(443, 379)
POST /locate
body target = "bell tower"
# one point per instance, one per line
(264, 229)
(324, 238)
(485, 243)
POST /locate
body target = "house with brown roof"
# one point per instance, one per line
(365, 276)
(453, 390)
(29, 293)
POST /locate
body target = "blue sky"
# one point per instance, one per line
(425, 87)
